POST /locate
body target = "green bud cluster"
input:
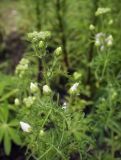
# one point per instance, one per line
(28, 101)
(39, 41)
(39, 36)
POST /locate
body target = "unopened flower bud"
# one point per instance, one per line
(97, 43)
(17, 102)
(41, 44)
(41, 133)
(46, 89)
(33, 87)
(110, 22)
(92, 27)
(77, 75)
(58, 51)
(74, 88)
(25, 127)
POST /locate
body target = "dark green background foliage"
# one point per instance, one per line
(90, 127)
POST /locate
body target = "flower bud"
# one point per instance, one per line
(33, 87)
(92, 27)
(41, 133)
(17, 102)
(74, 88)
(46, 89)
(109, 40)
(77, 75)
(41, 44)
(58, 51)
(110, 22)
(97, 43)
(64, 106)
(25, 127)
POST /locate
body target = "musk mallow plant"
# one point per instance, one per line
(51, 129)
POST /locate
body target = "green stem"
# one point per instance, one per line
(113, 148)
(47, 117)
(105, 65)
(45, 70)
(45, 153)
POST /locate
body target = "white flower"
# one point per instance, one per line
(25, 126)
(100, 36)
(17, 102)
(33, 87)
(64, 105)
(74, 88)
(102, 48)
(46, 89)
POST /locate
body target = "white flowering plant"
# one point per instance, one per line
(52, 129)
(56, 127)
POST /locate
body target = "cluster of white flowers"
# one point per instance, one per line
(74, 88)
(101, 40)
(22, 67)
(28, 101)
(101, 11)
